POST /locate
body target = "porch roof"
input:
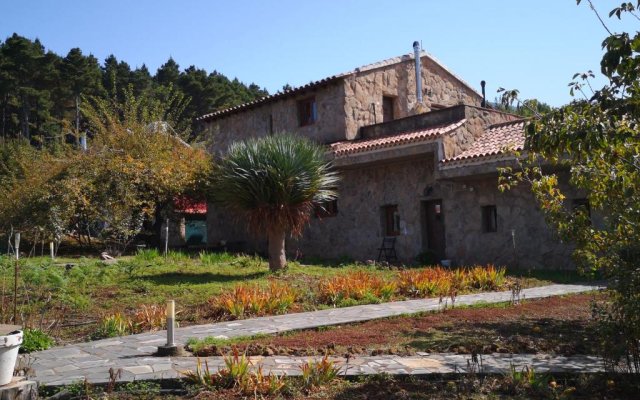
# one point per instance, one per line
(346, 148)
(496, 140)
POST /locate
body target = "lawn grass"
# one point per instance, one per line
(197, 345)
(76, 291)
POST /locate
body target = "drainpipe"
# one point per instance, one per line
(416, 55)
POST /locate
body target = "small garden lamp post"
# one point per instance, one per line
(171, 348)
(15, 278)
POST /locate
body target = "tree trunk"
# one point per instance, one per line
(25, 117)
(77, 121)
(277, 256)
(4, 116)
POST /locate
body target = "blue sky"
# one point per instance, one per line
(534, 46)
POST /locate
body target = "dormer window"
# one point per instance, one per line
(307, 111)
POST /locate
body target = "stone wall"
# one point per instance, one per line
(282, 116)
(357, 231)
(225, 230)
(364, 92)
(536, 246)
(176, 231)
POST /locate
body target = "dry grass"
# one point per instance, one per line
(251, 300)
(414, 283)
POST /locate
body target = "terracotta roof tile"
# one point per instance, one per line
(187, 205)
(266, 99)
(494, 141)
(342, 149)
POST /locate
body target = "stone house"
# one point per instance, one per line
(418, 154)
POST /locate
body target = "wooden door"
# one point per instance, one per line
(433, 233)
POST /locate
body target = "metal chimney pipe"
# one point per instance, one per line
(416, 55)
(484, 98)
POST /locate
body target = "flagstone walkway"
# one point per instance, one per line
(133, 354)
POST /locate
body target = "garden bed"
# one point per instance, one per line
(554, 325)
(515, 385)
(75, 299)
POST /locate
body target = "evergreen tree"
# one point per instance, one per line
(41, 92)
(80, 76)
(168, 73)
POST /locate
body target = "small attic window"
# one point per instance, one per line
(387, 108)
(307, 111)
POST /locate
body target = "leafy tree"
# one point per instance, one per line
(596, 139)
(274, 182)
(135, 161)
(30, 199)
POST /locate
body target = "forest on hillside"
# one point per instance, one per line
(41, 91)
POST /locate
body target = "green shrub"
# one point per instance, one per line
(147, 255)
(112, 326)
(215, 258)
(318, 373)
(246, 261)
(35, 340)
(177, 257)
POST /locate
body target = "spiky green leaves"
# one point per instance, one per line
(274, 181)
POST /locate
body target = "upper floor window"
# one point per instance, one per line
(307, 111)
(387, 108)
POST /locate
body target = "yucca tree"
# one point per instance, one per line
(274, 183)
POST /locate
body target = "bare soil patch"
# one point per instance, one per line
(556, 325)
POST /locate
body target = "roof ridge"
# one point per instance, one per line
(347, 147)
(312, 84)
(449, 125)
(506, 123)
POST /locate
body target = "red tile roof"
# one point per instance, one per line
(342, 149)
(494, 141)
(187, 205)
(270, 98)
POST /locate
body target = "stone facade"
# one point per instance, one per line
(346, 104)
(398, 164)
(282, 116)
(364, 91)
(522, 238)
(357, 230)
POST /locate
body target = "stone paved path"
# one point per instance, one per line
(132, 354)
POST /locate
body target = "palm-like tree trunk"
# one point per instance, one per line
(277, 256)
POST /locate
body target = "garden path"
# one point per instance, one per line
(133, 354)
